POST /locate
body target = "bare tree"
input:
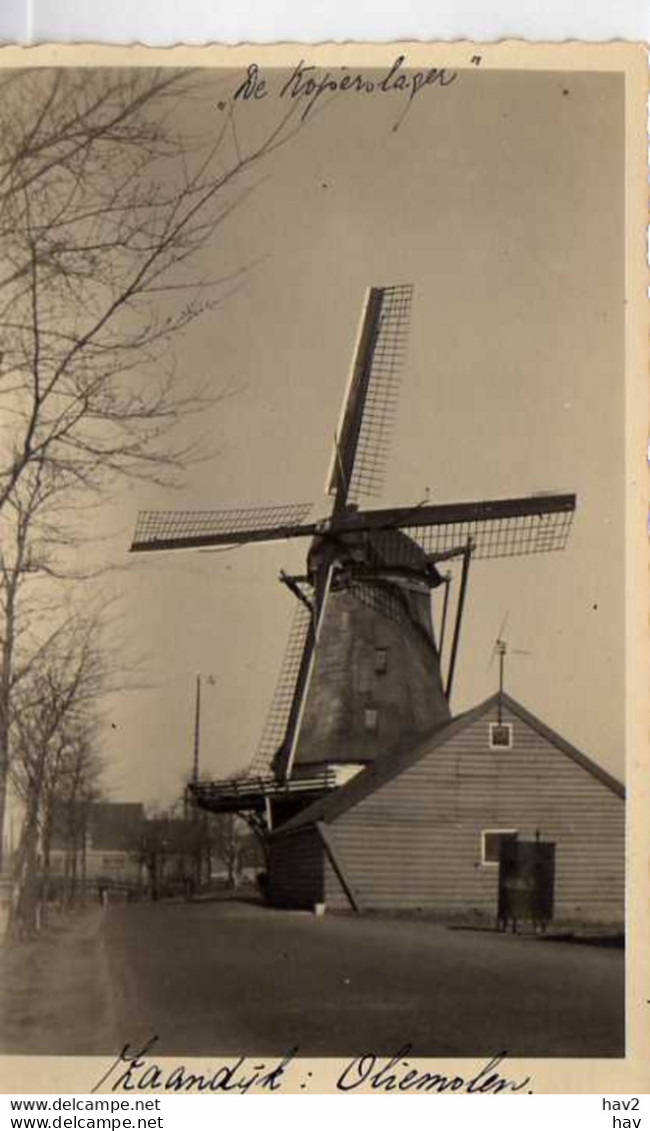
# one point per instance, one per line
(105, 203)
(172, 852)
(29, 539)
(73, 787)
(230, 838)
(52, 725)
(103, 207)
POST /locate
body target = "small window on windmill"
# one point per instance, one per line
(381, 661)
(370, 718)
(500, 736)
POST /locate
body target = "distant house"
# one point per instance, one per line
(97, 839)
(422, 829)
(113, 831)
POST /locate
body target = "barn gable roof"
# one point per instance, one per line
(385, 768)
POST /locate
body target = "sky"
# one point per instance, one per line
(500, 198)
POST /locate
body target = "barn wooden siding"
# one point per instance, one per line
(416, 841)
(296, 869)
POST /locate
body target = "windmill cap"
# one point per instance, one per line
(385, 548)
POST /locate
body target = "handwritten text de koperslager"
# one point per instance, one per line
(309, 83)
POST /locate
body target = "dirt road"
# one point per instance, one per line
(232, 978)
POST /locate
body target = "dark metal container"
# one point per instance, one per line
(526, 883)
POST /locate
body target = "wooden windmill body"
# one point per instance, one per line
(363, 676)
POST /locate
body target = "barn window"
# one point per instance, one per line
(500, 736)
(370, 718)
(381, 661)
(491, 841)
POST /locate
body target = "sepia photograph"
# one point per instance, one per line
(314, 547)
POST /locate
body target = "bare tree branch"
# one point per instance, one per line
(107, 210)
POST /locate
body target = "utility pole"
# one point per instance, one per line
(197, 732)
(502, 648)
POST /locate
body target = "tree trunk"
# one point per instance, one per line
(24, 914)
(46, 844)
(4, 741)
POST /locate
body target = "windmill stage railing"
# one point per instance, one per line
(252, 792)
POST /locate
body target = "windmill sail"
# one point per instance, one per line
(500, 531)
(321, 586)
(275, 727)
(496, 528)
(370, 403)
(183, 530)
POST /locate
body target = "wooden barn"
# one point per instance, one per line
(423, 829)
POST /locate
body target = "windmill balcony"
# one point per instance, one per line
(253, 793)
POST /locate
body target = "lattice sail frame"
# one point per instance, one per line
(361, 450)
(380, 408)
(168, 530)
(275, 726)
(504, 537)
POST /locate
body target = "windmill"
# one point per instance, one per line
(363, 674)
